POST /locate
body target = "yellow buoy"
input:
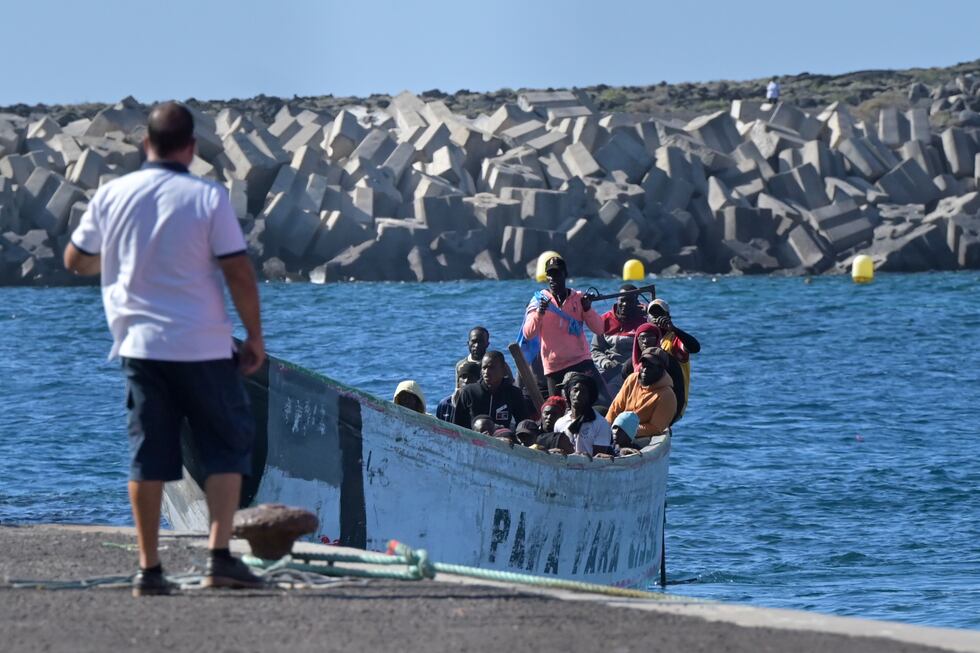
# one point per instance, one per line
(633, 270)
(539, 274)
(862, 269)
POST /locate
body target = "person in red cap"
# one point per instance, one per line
(553, 327)
(551, 411)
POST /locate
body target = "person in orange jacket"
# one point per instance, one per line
(649, 393)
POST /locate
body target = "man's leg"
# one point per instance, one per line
(145, 497)
(222, 491)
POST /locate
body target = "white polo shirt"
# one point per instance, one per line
(592, 434)
(160, 232)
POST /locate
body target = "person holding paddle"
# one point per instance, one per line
(553, 328)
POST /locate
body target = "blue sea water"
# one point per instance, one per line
(828, 459)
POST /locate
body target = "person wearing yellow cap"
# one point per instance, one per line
(409, 394)
(554, 328)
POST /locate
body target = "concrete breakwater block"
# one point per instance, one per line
(414, 190)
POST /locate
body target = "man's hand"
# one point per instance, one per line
(543, 305)
(609, 364)
(251, 355)
(586, 303)
(240, 277)
(629, 451)
(604, 456)
(664, 324)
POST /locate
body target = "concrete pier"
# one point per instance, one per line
(447, 614)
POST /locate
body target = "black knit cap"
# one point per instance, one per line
(577, 377)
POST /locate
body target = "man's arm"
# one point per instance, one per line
(600, 352)
(591, 316)
(80, 262)
(463, 417)
(240, 277)
(691, 343)
(532, 321)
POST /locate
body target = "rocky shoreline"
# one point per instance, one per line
(686, 178)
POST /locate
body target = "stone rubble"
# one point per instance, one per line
(416, 192)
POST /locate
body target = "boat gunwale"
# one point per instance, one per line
(649, 454)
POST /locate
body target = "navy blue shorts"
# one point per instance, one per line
(212, 398)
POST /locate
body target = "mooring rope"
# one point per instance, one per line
(303, 570)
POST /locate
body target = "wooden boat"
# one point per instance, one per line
(373, 471)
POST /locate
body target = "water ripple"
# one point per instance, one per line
(827, 460)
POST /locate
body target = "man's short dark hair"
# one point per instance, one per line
(468, 370)
(496, 355)
(627, 286)
(482, 329)
(170, 128)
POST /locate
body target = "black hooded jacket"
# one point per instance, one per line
(506, 406)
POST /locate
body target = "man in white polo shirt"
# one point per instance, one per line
(163, 241)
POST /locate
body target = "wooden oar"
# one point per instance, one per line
(527, 375)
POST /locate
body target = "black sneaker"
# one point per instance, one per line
(231, 573)
(152, 582)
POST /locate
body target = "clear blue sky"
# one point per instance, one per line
(70, 51)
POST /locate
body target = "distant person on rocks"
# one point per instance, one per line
(494, 395)
(467, 372)
(680, 345)
(772, 91)
(164, 241)
(588, 432)
(648, 393)
(409, 394)
(613, 348)
(553, 327)
(483, 424)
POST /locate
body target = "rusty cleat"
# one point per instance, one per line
(271, 528)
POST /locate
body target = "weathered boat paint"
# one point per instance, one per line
(373, 471)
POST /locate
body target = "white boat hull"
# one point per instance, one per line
(373, 472)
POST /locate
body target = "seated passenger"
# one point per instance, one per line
(649, 336)
(588, 432)
(494, 395)
(483, 424)
(467, 372)
(409, 394)
(551, 410)
(624, 432)
(477, 344)
(647, 392)
(680, 345)
(527, 432)
(612, 348)
(505, 435)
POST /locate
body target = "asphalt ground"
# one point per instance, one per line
(376, 615)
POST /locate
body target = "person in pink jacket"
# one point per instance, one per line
(553, 325)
